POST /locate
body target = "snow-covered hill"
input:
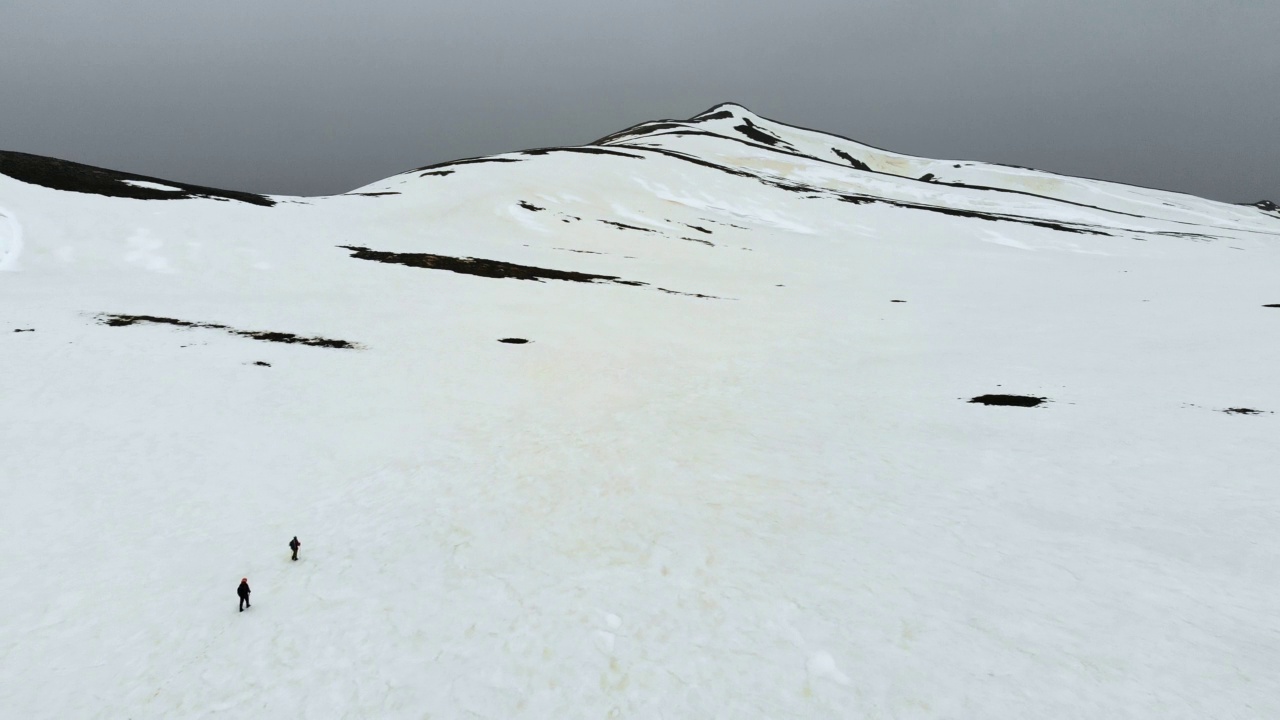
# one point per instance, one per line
(733, 470)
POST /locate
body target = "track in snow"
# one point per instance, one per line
(10, 240)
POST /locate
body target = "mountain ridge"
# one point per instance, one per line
(687, 424)
(752, 129)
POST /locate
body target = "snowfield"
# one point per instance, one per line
(733, 473)
(10, 240)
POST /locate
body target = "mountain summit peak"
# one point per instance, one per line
(726, 109)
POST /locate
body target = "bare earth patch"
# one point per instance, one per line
(1009, 400)
(75, 177)
(497, 269)
(481, 267)
(265, 335)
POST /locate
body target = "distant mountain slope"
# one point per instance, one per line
(74, 177)
(705, 136)
(711, 418)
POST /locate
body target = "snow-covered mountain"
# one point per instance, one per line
(676, 424)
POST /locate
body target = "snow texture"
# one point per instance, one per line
(10, 240)
(763, 492)
(151, 185)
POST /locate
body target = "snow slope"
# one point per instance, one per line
(10, 240)
(728, 476)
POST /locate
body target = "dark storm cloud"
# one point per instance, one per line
(288, 96)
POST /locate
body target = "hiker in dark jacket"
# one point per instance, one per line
(243, 592)
(294, 545)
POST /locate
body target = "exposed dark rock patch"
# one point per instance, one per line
(687, 294)
(1024, 167)
(585, 252)
(794, 187)
(708, 243)
(1276, 305)
(699, 229)
(75, 177)
(465, 161)
(439, 173)
(496, 269)
(267, 336)
(531, 207)
(127, 320)
(898, 301)
(853, 161)
(759, 134)
(641, 129)
(927, 177)
(726, 224)
(719, 115)
(624, 226)
(376, 194)
(481, 267)
(1009, 400)
(1267, 206)
(17, 330)
(514, 341)
(1246, 411)
(584, 150)
(260, 363)
(1196, 236)
(688, 132)
(856, 199)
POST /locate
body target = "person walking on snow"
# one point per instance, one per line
(243, 592)
(294, 545)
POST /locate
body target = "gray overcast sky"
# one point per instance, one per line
(317, 96)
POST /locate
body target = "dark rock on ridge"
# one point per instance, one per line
(74, 177)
